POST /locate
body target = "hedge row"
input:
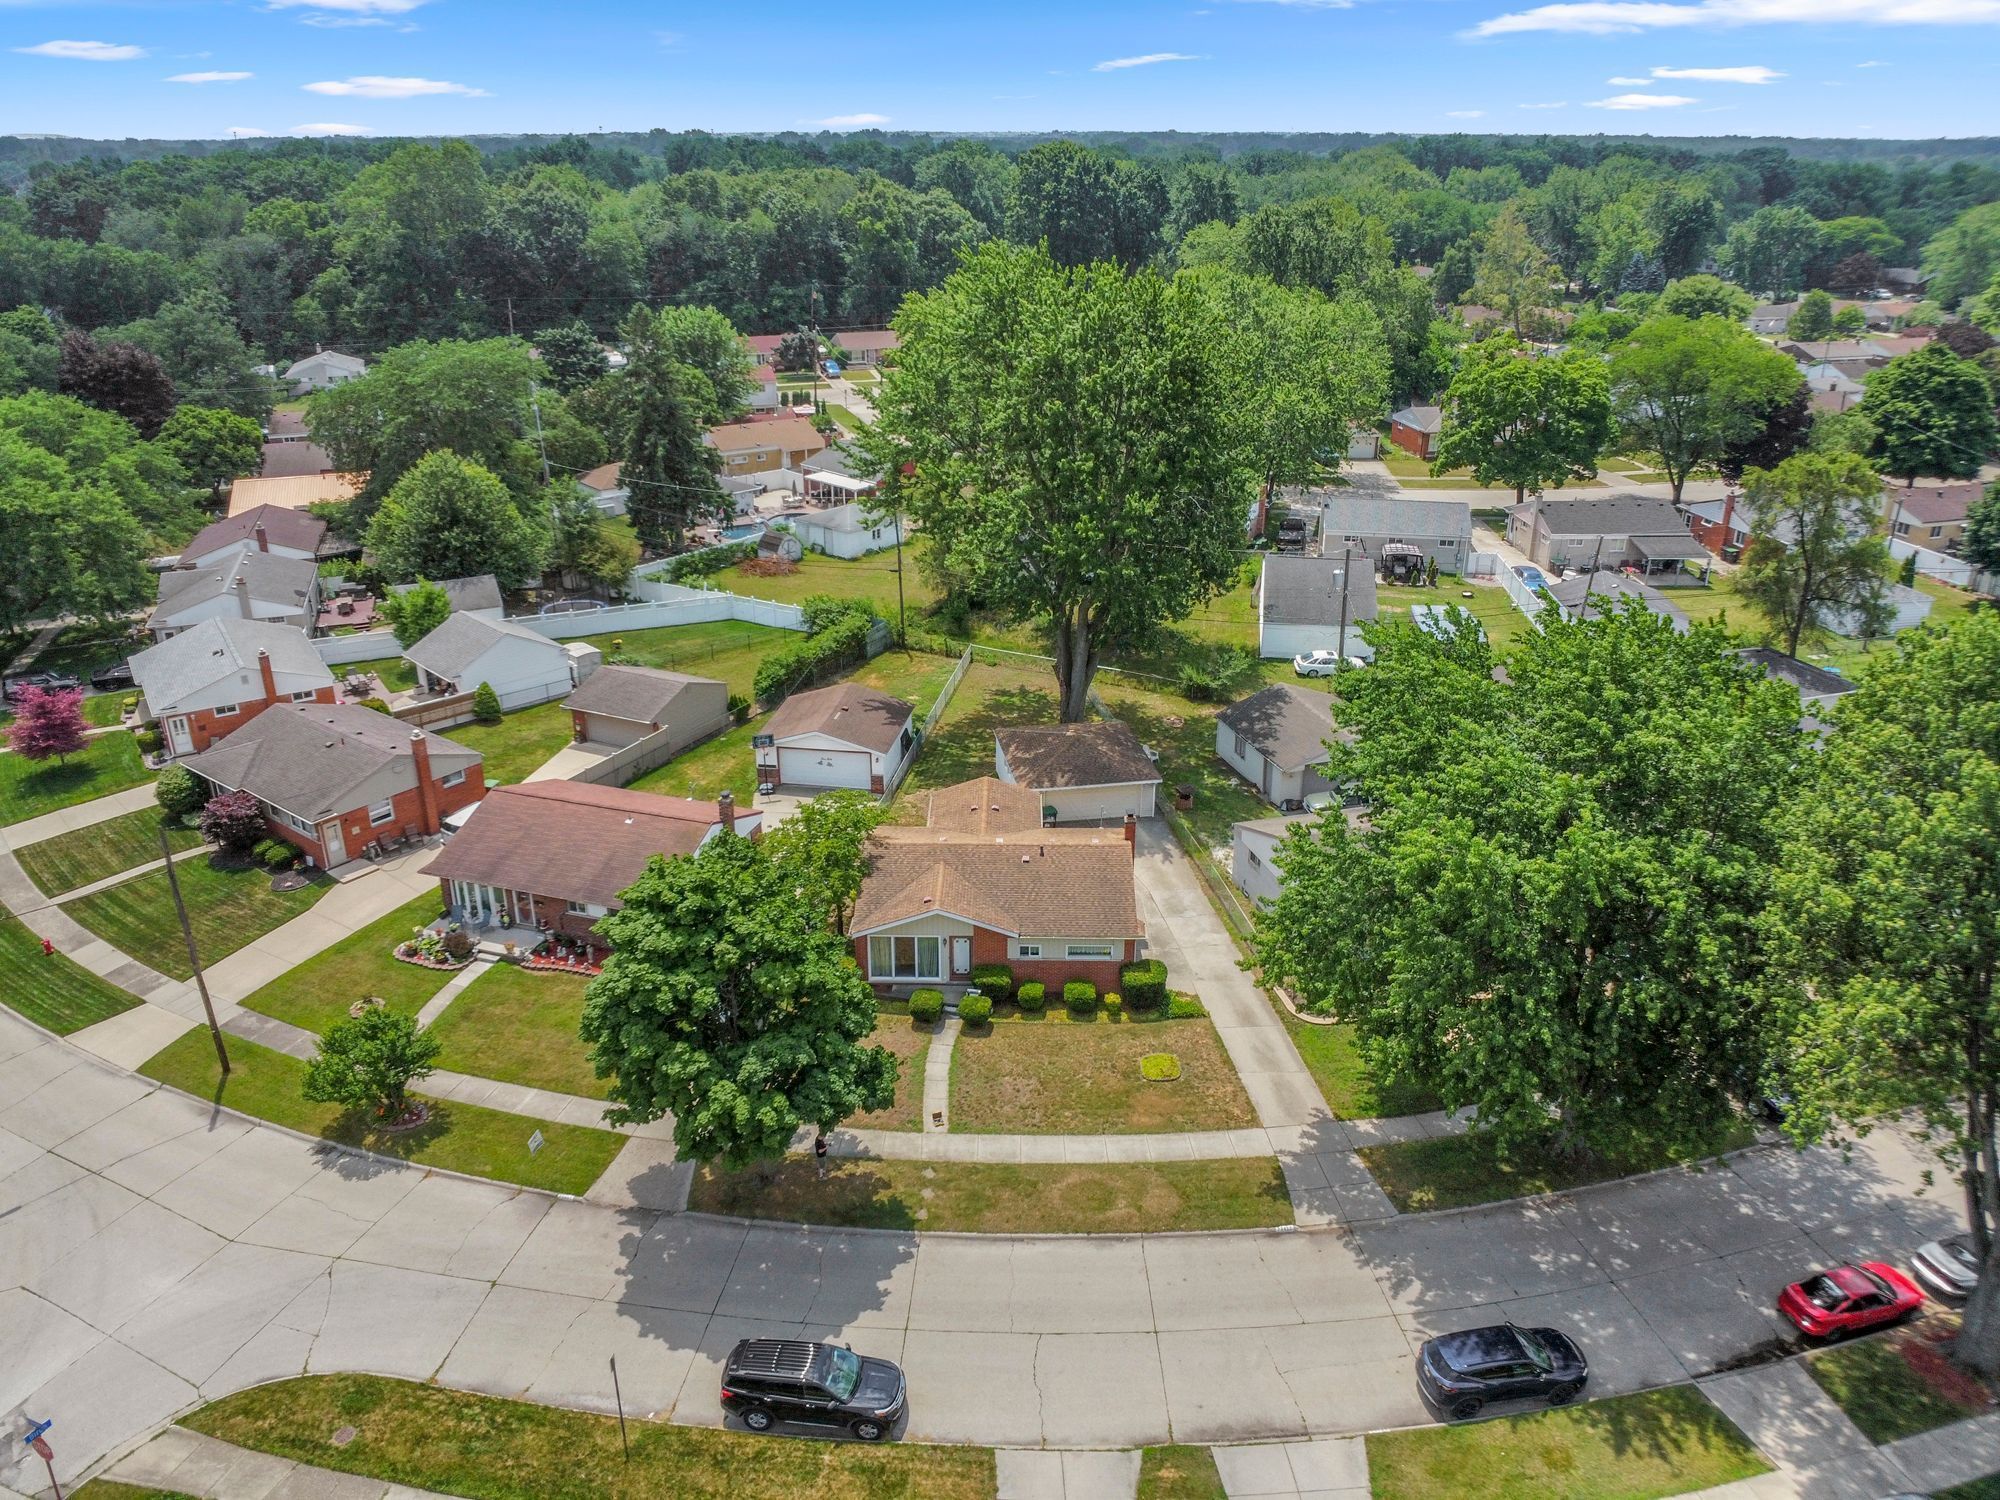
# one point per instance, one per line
(841, 642)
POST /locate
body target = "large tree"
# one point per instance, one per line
(206, 358)
(1885, 931)
(1685, 388)
(119, 378)
(416, 611)
(450, 518)
(587, 547)
(1770, 250)
(1067, 195)
(214, 446)
(1980, 545)
(1705, 296)
(728, 1007)
(702, 339)
(1548, 914)
(1077, 445)
(1814, 557)
(1933, 415)
(1786, 428)
(821, 849)
(1514, 277)
(1515, 418)
(48, 722)
(666, 466)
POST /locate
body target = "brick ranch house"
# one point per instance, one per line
(213, 678)
(555, 856)
(335, 778)
(983, 882)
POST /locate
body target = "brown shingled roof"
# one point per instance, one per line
(1071, 882)
(1102, 753)
(847, 711)
(983, 805)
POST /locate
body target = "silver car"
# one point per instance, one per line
(1947, 1268)
(1324, 663)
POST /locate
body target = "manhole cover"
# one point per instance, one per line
(345, 1436)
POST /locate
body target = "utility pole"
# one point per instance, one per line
(534, 401)
(1346, 567)
(902, 623)
(1583, 611)
(194, 958)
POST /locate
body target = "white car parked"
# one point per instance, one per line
(1324, 663)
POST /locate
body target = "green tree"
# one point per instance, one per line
(1683, 217)
(1548, 916)
(719, 1006)
(1705, 297)
(74, 546)
(1885, 929)
(369, 1062)
(178, 792)
(1685, 388)
(1514, 277)
(1066, 195)
(1454, 274)
(667, 467)
(1517, 419)
(451, 518)
(1980, 545)
(1787, 427)
(1814, 318)
(587, 547)
(1850, 322)
(407, 229)
(1814, 555)
(1202, 192)
(205, 357)
(122, 379)
(975, 175)
(1964, 257)
(416, 611)
(1051, 428)
(30, 351)
(703, 339)
(1933, 415)
(572, 356)
(1769, 251)
(822, 848)
(213, 446)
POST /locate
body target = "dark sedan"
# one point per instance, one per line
(1459, 1373)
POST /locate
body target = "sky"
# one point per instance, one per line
(215, 68)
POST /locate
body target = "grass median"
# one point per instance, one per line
(458, 1137)
(1005, 1198)
(51, 990)
(1902, 1382)
(486, 1448)
(83, 856)
(1180, 1471)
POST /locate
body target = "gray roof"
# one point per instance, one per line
(284, 581)
(1615, 515)
(1306, 591)
(283, 527)
(327, 359)
(1289, 725)
(1815, 684)
(1606, 590)
(311, 759)
(1102, 752)
(1671, 545)
(1422, 418)
(840, 459)
(211, 650)
(643, 694)
(480, 591)
(463, 639)
(1351, 514)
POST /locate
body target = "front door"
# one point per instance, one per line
(961, 955)
(335, 845)
(178, 739)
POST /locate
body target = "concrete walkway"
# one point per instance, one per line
(453, 988)
(936, 1117)
(1065, 1474)
(191, 1463)
(82, 815)
(1317, 1469)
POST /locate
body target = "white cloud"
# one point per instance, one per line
(1720, 75)
(328, 21)
(1612, 17)
(848, 122)
(1631, 82)
(1112, 65)
(374, 86)
(1871, 64)
(332, 129)
(85, 51)
(1556, 104)
(1463, 114)
(350, 7)
(210, 77)
(1642, 101)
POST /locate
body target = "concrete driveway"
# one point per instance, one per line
(155, 1253)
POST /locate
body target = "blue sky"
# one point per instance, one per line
(209, 68)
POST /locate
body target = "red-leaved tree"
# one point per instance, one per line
(232, 820)
(47, 724)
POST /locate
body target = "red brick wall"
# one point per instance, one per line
(358, 833)
(989, 947)
(1410, 440)
(206, 728)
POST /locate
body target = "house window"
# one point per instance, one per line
(1242, 746)
(1027, 950)
(226, 709)
(1090, 950)
(1445, 544)
(1902, 528)
(905, 957)
(380, 813)
(1936, 532)
(578, 908)
(451, 778)
(1255, 862)
(298, 823)
(304, 696)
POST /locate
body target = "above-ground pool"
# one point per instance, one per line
(743, 532)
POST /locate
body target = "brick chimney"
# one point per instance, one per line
(241, 586)
(270, 681)
(1132, 829)
(427, 808)
(263, 539)
(725, 811)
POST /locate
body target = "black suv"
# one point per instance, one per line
(768, 1381)
(1458, 1373)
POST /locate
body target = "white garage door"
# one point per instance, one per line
(823, 768)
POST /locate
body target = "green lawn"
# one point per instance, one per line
(872, 578)
(226, 907)
(107, 763)
(988, 697)
(1123, 1198)
(1900, 1383)
(1977, 1489)
(520, 1027)
(486, 1448)
(50, 990)
(458, 1137)
(1336, 1066)
(71, 860)
(519, 743)
(848, 420)
(911, 1042)
(1665, 1442)
(101, 710)
(1184, 734)
(111, 1489)
(1504, 625)
(1183, 1471)
(1457, 1171)
(319, 991)
(1050, 1075)
(727, 650)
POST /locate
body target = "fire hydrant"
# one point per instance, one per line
(48, 948)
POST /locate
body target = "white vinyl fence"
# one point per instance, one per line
(1526, 600)
(1952, 570)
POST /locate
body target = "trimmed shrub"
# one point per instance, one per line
(838, 643)
(1184, 1008)
(233, 821)
(178, 792)
(1159, 1067)
(975, 1010)
(1031, 997)
(148, 740)
(486, 704)
(993, 979)
(926, 1005)
(276, 854)
(1114, 1008)
(1080, 995)
(130, 702)
(458, 946)
(380, 705)
(1144, 984)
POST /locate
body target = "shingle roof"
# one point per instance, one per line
(863, 339)
(294, 491)
(789, 433)
(463, 639)
(1289, 726)
(211, 650)
(1419, 418)
(1815, 684)
(603, 477)
(1606, 590)
(1935, 504)
(573, 840)
(326, 359)
(1306, 591)
(480, 591)
(1615, 515)
(642, 694)
(1104, 752)
(309, 758)
(282, 528)
(1040, 883)
(284, 581)
(847, 711)
(292, 461)
(983, 805)
(1385, 515)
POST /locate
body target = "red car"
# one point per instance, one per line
(1849, 1299)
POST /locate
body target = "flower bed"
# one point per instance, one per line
(558, 958)
(428, 949)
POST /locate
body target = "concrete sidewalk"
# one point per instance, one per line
(82, 815)
(191, 1463)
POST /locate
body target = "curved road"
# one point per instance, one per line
(155, 1253)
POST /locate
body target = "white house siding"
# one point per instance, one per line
(1275, 640)
(848, 765)
(1248, 763)
(1251, 864)
(1084, 804)
(520, 672)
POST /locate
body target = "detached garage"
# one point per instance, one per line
(846, 736)
(1082, 772)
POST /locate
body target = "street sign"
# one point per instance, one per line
(41, 1447)
(535, 1143)
(34, 1433)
